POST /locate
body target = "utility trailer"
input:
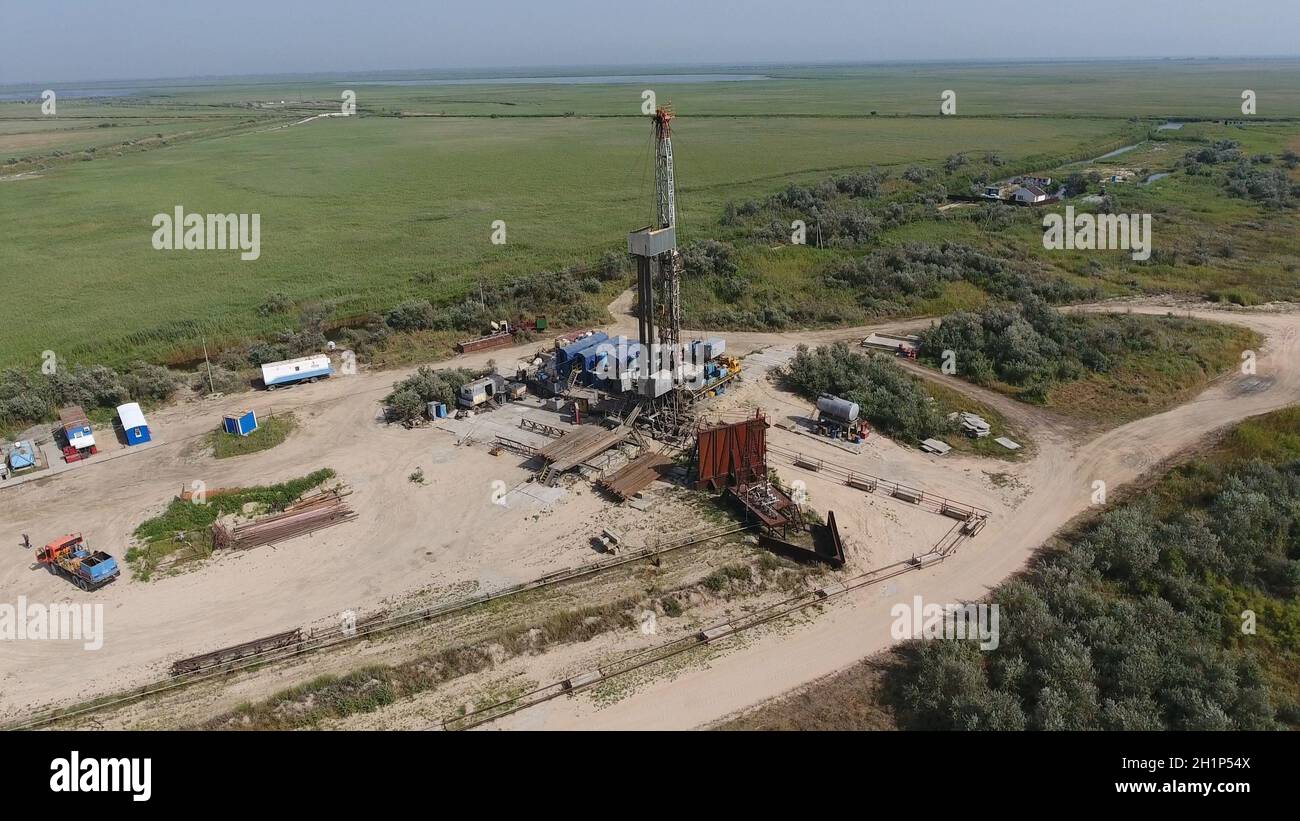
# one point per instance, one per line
(72, 558)
(76, 434)
(293, 371)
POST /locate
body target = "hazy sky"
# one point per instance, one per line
(64, 40)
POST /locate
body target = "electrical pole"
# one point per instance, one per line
(211, 388)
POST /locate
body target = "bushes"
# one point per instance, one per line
(151, 383)
(1247, 178)
(709, 258)
(276, 303)
(260, 353)
(1271, 187)
(714, 260)
(22, 397)
(1077, 183)
(916, 174)
(612, 266)
(366, 340)
(27, 398)
(890, 398)
(221, 380)
(845, 208)
(310, 338)
(412, 315)
(1220, 151)
(895, 280)
(1135, 625)
(1033, 346)
(90, 387)
(411, 396)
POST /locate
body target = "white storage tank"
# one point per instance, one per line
(841, 410)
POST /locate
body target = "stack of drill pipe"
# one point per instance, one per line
(581, 444)
(636, 475)
(304, 516)
(325, 497)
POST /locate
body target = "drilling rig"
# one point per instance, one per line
(658, 269)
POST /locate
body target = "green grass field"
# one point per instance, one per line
(366, 212)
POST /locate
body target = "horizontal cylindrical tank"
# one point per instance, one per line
(841, 410)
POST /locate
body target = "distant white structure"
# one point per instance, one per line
(1030, 195)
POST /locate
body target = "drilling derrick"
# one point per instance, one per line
(666, 200)
(658, 266)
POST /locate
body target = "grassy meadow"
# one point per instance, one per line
(363, 213)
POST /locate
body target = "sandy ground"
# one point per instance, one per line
(406, 538)
(409, 537)
(1055, 485)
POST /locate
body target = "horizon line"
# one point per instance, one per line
(493, 72)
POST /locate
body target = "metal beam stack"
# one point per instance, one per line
(302, 517)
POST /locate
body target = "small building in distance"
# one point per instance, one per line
(134, 426)
(1030, 195)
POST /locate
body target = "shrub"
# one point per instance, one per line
(892, 280)
(152, 383)
(90, 387)
(412, 315)
(22, 397)
(612, 265)
(275, 303)
(411, 396)
(1133, 626)
(889, 397)
(709, 258)
(223, 380)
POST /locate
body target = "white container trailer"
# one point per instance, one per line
(302, 369)
(473, 394)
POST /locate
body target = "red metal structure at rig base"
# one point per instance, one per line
(731, 454)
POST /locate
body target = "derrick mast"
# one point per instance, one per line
(659, 271)
(666, 199)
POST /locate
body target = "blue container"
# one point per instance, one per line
(23, 455)
(134, 426)
(101, 571)
(563, 355)
(240, 424)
